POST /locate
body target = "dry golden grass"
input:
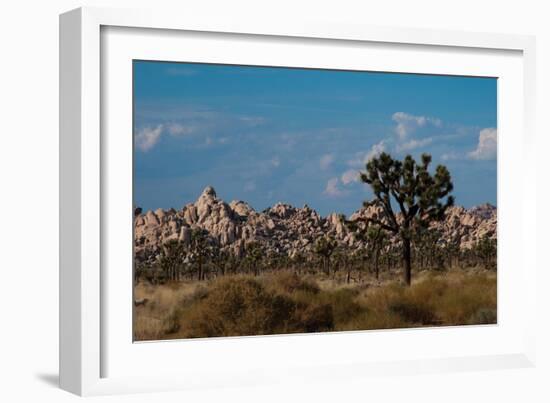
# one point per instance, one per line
(159, 317)
(285, 303)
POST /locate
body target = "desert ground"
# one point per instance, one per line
(284, 302)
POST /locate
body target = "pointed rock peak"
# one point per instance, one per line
(209, 191)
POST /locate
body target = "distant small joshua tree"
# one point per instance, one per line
(220, 260)
(325, 247)
(486, 251)
(201, 250)
(254, 255)
(171, 259)
(376, 239)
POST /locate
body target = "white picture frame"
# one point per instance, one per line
(91, 361)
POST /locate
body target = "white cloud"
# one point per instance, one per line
(332, 188)
(326, 161)
(362, 158)
(486, 146)
(413, 144)
(275, 161)
(351, 175)
(407, 123)
(147, 137)
(450, 156)
(375, 151)
(176, 129)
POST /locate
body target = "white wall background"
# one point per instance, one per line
(29, 201)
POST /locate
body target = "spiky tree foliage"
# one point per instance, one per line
(200, 248)
(171, 259)
(324, 247)
(417, 194)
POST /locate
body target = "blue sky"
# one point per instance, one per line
(300, 136)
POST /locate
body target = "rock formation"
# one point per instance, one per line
(283, 228)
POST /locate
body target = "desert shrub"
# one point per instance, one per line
(413, 312)
(286, 303)
(483, 316)
(343, 303)
(370, 319)
(244, 306)
(313, 318)
(394, 305)
(147, 328)
(237, 306)
(171, 322)
(462, 302)
(201, 292)
(290, 282)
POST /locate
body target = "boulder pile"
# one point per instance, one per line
(283, 228)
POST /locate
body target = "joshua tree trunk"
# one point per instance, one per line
(200, 269)
(407, 260)
(376, 267)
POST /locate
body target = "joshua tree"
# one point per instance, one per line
(344, 259)
(427, 249)
(372, 235)
(220, 260)
(376, 238)
(361, 257)
(324, 247)
(409, 186)
(171, 258)
(200, 248)
(297, 261)
(486, 251)
(254, 254)
(452, 252)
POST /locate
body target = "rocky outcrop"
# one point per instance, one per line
(283, 228)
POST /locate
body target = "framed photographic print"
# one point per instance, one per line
(244, 197)
(332, 200)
